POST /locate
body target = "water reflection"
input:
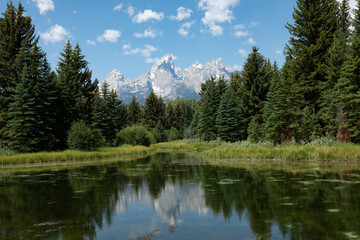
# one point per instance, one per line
(167, 196)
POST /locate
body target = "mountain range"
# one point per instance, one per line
(167, 80)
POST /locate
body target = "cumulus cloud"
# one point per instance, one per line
(182, 13)
(184, 29)
(44, 5)
(118, 7)
(242, 33)
(148, 33)
(145, 52)
(253, 24)
(130, 11)
(55, 34)
(147, 15)
(217, 12)
(110, 35)
(239, 26)
(250, 41)
(92, 43)
(243, 52)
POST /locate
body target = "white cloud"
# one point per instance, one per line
(145, 52)
(110, 35)
(182, 13)
(130, 11)
(92, 43)
(279, 52)
(147, 15)
(118, 7)
(55, 34)
(44, 5)
(239, 26)
(250, 41)
(242, 33)
(253, 24)
(243, 52)
(217, 12)
(148, 33)
(75, 12)
(184, 29)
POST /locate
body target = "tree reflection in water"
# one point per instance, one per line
(84, 202)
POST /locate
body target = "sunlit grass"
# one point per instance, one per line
(73, 155)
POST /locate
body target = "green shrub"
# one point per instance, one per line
(81, 136)
(135, 135)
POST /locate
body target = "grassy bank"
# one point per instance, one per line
(245, 151)
(73, 155)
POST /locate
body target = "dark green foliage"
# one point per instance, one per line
(159, 132)
(108, 114)
(309, 126)
(344, 17)
(193, 130)
(312, 35)
(154, 110)
(76, 90)
(82, 137)
(210, 101)
(281, 108)
(135, 135)
(134, 115)
(17, 40)
(330, 95)
(228, 118)
(174, 134)
(256, 77)
(169, 116)
(255, 131)
(179, 117)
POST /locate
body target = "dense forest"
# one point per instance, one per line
(315, 93)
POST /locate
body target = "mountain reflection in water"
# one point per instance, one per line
(167, 196)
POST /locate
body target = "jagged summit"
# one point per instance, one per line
(167, 80)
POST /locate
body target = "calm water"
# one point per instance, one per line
(167, 196)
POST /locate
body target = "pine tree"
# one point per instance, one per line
(134, 112)
(309, 125)
(227, 120)
(24, 126)
(179, 117)
(312, 35)
(154, 110)
(256, 77)
(348, 87)
(210, 100)
(344, 17)
(281, 113)
(17, 37)
(169, 117)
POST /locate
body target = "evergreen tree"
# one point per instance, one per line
(17, 37)
(309, 126)
(256, 77)
(159, 132)
(281, 109)
(169, 117)
(348, 86)
(227, 120)
(24, 126)
(179, 117)
(154, 110)
(344, 17)
(134, 112)
(312, 35)
(210, 101)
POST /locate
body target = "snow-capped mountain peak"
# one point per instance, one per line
(167, 80)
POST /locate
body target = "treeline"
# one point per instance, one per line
(315, 93)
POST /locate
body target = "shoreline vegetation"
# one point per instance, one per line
(241, 154)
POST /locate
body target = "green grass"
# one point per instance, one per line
(73, 155)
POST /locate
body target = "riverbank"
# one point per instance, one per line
(73, 155)
(212, 152)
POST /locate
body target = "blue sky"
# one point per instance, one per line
(131, 35)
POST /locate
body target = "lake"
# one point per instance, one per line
(174, 196)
